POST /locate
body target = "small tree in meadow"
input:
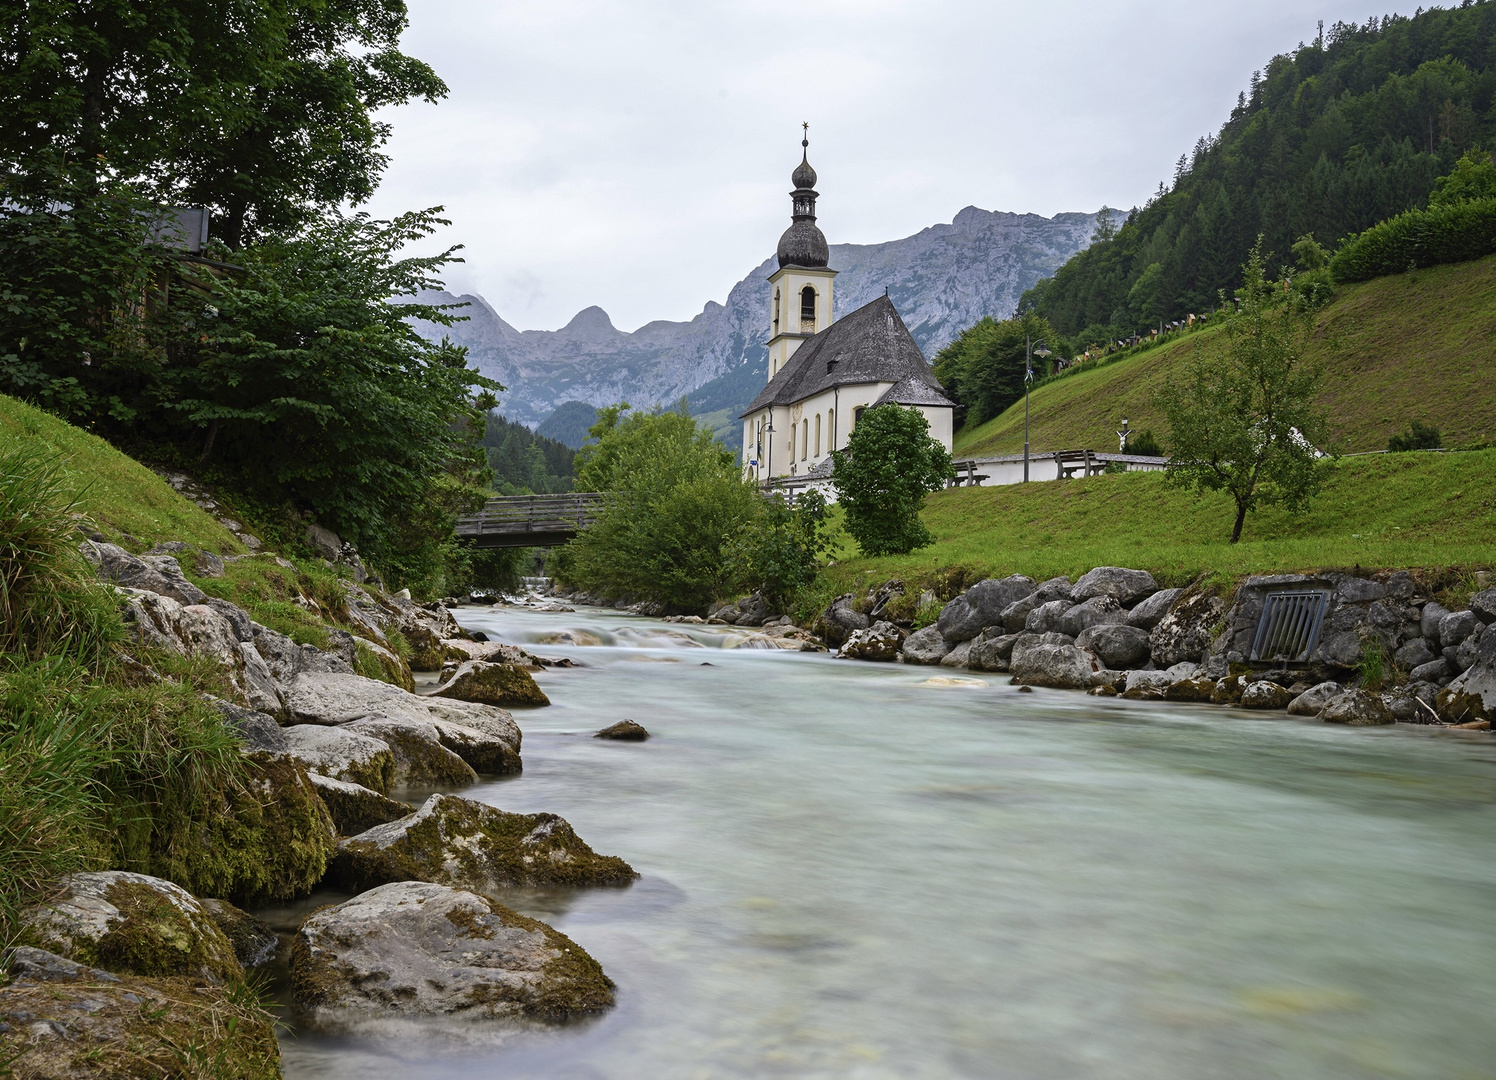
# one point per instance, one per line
(881, 478)
(1246, 423)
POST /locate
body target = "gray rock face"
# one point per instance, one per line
(1127, 587)
(286, 659)
(1472, 695)
(1063, 667)
(354, 808)
(484, 749)
(1097, 611)
(1265, 695)
(1484, 605)
(1466, 653)
(1147, 685)
(958, 657)
(1047, 617)
(881, 641)
(839, 621)
(420, 949)
(1429, 620)
(1455, 627)
(1148, 612)
(991, 650)
(1415, 653)
(420, 757)
(338, 698)
(927, 646)
(254, 943)
(1015, 615)
(237, 617)
(255, 729)
(1311, 701)
(1025, 641)
(1185, 633)
(1358, 708)
(1120, 646)
(982, 606)
(157, 573)
(343, 755)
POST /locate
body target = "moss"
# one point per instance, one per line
(417, 759)
(357, 810)
(493, 684)
(571, 984)
(155, 937)
(427, 653)
(390, 669)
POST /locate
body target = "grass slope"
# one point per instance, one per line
(122, 496)
(1394, 510)
(1413, 346)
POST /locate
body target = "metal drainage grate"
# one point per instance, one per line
(1290, 625)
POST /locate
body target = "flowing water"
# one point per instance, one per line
(877, 871)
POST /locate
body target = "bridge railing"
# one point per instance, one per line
(566, 512)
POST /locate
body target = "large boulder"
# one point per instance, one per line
(253, 941)
(840, 620)
(1120, 646)
(1063, 667)
(957, 657)
(204, 563)
(991, 650)
(1047, 617)
(1415, 653)
(1472, 695)
(1455, 627)
(1311, 701)
(420, 757)
(343, 755)
(256, 730)
(1015, 615)
(982, 606)
(286, 659)
(881, 641)
(1146, 685)
(1359, 708)
(1413, 703)
(1434, 671)
(470, 845)
(1265, 694)
(131, 924)
(927, 646)
(338, 698)
(1484, 605)
(355, 808)
(1148, 613)
(1428, 621)
(492, 684)
(62, 1020)
(483, 748)
(1126, 587)
(420, 949)
(1093, 612)
(1185, 633)
(156, 574)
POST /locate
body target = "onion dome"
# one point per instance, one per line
(803, 244)
(804, 176)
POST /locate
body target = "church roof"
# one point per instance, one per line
(870, 345)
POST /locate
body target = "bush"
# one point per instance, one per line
(890, 463)
(1145, 444)
(1419, 437)
(778, 552)
(1419, 238)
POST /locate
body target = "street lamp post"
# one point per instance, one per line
(1028, 378)
(769, 431)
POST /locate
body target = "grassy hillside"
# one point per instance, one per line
(1423, 509)
(1414, 346)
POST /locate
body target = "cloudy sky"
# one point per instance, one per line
(635, 154)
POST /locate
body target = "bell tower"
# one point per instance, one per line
(800, 290)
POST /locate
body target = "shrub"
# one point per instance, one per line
(1419, 437)
(882, 476)
(778, 552)
(1145, 444)
(1419, 238)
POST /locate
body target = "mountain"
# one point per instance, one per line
(942, 279)
(569, 423)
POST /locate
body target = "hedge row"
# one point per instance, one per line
(1419, 238)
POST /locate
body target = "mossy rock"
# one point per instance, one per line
(427, 653)
(492, 684)
(469, 845)
(420, 757)
(342, 754)
(60, 1020)
(355, 809)
(253, 941)
(132, 924)
(422, 949)
(266, 839)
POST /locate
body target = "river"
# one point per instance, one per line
(877, 871)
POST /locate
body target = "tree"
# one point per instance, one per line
(1246, 424)
(890, 463)
(983, 368)
(1473, 177)
(779, 552)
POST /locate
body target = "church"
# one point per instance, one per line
(823, 372)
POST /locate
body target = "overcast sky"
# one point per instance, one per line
(635, 154)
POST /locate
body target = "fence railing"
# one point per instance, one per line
(533, 519)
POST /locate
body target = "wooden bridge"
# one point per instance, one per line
(530, 520)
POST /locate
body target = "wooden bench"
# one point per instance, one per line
(1069, 462)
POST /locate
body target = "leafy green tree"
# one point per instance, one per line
(983, 367)
(1246, 424)
(1420, 436)
(890, 463)
(526, 463)
(779, 552)
(1473, 177)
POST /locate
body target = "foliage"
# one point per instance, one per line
(1346, 131)
(881, 478)
(569, 423)
(1246, 424)
(1145, 444)
(523, 462)
(1453, 232)
(779, 551)
(677, 500)
(1420, 436)
(263, 112)
(1372, 665)
(983, 367)
(1473, 177)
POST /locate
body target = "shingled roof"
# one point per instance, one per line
(870, 345)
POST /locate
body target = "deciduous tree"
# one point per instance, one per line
(890, 463)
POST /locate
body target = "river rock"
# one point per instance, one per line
(256, 730)
(420, 949)
(1415, 653)
(927, 646)
(1062, 667)
(332, 698)
(623, 731)
(483, 749)
(1359, 708)
(492, 684)
(1311, 701)
(155, 574)
(839, 621)
(1433, 671)
(1097, 611)
(1185, 633)
(991, 650)
(1472, 695)
(1126, 587)
(286, 659)
(1025, 641)
(1229, 690)
(1484, 605)
(1145, 685)
(420, 757)
(957, 657)
(343, 754)
(1265, 694)
(1146, 615)
(132, 924)
(982, 606)
(1429, 618)
(1120, 646)
(1455, 627)
(355, 808)
(1015, 615)
(881, 641)
(253, 941)
(1413, 703)
(1198, 689)
(470, 845)
(1047, 617)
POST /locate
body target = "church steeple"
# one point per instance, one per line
(802, 243)
(800, 290)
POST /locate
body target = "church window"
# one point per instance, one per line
(830, 431)
(804, 439)
(808, 307)
(857, 414)
(776, 311)
(818, 434)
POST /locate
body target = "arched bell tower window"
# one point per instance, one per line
(808, 308)
(776, 311)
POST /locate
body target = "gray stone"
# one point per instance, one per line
(1406, 703)
(253, 941)
(324, 542)
(1358, 708)
(1097, 611)
(839, 621)
(1186, 632)
(1026, 640)
(1120, 646)
(256, 730)
(338, 698)
(1265, 695)
(1432, 613)
(355, 808)
(880, 642)
(420, 757)
(342, 754)
(1432, 671)
(624, 731)
(1472, 694)
(753, 610)
(1015, 615)
(237, 617)
(1141, 679)
(1455, 627)
(982, 606)
(1465, 655)
(1148, 613)
(204, 563)
(958, 657)
(1340, 650)
(1354, 590)
(1311, 701)
(1046, 618)
(1063, 667)
(990, 650)
(1127, 587)
(286, 659)
(488, 749)
(420, 949)
(1484, 605)
(114, 564)
(1415, 653)
(927, 646)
